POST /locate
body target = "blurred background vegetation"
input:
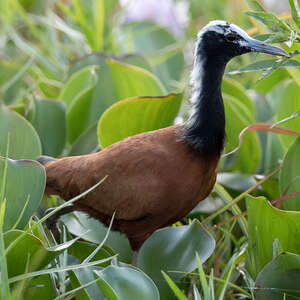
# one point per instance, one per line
(76, 76)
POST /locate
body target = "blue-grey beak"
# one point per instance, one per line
(259, 46)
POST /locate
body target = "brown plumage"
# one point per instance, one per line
(156, 178)
(153, 181)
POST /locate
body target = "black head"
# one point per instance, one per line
(222, 40)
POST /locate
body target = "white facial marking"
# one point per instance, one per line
(223, 27)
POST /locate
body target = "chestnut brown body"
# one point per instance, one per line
(154, 179)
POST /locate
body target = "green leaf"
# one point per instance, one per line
(81, 250)
(174, 249)
(137, 115)
(271, 21)
(289, 177)
(295, 10)
(91, 230)
(127, 284)
(24, 142)
(159, 46)
(235, 89)
(86, 143)
(48, 117)
(24, 248)
(116, 81)
(84, 276)
(289, 104)
(267, 223)
(78, 83)
(238, 116)
(278, 280)
(178, 293)
(40, 287)
(264, 65)
(24, 188)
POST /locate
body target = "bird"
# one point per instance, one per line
(156, 178)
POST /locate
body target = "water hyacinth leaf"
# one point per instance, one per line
(236, 180)
(48, 117)
(277, 280)
(93, 231)
(238, 116)
(174, 249)
(136, 80)
(40, 287)
(289, 104)
(25, 249)
(267, 223)
(127, 284)
(116, 81)
(81, 250)
(289, 177)
(24, 188)
(24, 142)
(86, 143)
(266, 84)
(85, 276)
(82, 80)
(235, 89)
(159, 46)
(135, 115)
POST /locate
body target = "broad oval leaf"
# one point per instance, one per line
(289, 104)
(23, 248)
(127, 284)
(278, 280)
(82, 80)
(137, 115)
(174, 249)
(116, 81)
(267, 223)
(48, 117)
(235, 89)
(92, 230)
(159, 46)
(238, 116)
(86, 143)
(23, 140)
(24, 189)
(289, 177)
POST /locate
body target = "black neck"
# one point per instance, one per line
(205, 130)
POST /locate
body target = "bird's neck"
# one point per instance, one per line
(205, 130)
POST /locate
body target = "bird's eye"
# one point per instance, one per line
(231, 37)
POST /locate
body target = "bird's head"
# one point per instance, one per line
(223, 40)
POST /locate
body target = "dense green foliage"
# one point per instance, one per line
(74, 78)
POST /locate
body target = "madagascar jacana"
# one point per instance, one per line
(156, 178)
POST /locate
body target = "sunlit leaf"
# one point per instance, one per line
(116, 81)
(137, 115)
(288, 105)
(267, 223)
(79, 82)
(289, 176)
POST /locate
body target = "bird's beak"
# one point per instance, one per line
(259, 46)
